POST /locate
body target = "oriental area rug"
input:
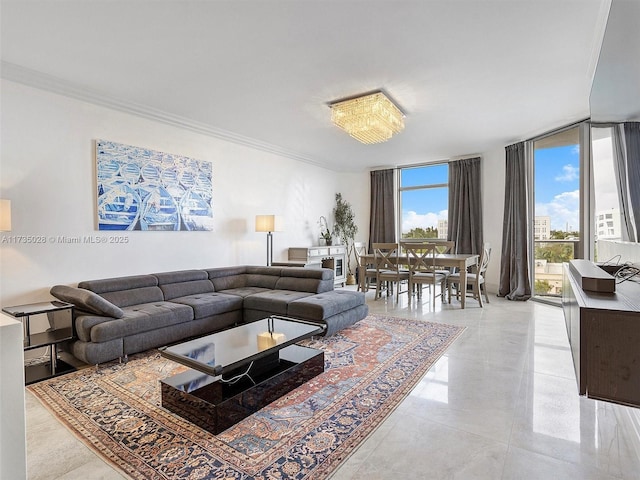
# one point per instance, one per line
(369, 369)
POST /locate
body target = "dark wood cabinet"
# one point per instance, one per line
(604, 334)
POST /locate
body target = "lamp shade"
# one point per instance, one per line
(5, 215)
(265, 223)
(269, 223)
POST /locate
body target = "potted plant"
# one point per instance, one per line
(325, 233)
(345, 227)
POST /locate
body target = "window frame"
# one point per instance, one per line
(401, 189)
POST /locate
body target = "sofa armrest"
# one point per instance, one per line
(85, 322)
(86, 300)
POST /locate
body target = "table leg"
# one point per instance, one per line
(463, 286)
(54, 358)
(27, 329)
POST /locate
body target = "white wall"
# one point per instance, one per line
(48, 172)
(493, 176)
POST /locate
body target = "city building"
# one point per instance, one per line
(542, 228)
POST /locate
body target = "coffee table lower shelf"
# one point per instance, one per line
(215, 405)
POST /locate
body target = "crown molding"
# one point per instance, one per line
(50, 83)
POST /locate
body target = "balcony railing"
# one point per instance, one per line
(548, 259)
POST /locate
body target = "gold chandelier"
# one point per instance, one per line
(371, 118)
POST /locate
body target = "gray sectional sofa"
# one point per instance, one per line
(116, 317)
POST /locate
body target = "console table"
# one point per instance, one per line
(333, 257)
(604, 335)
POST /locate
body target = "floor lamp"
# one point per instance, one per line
(267, 223)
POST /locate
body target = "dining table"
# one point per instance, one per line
(461, 261)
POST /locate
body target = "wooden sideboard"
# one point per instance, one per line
(604, 334)
(322, 257)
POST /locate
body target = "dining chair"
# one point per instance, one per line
(366, 268)
(445, 246)
(475, 278)
(388, 270)
(423, 269)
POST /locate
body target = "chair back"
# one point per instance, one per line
(421, 256)
(485, 256)
(385, 255)
(445, 246)
(359, 249)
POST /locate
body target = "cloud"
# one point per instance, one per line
(564, 210)
(411, 219)
(569, 173)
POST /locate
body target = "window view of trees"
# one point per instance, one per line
(556, 252)
(418, 232)
(424, 201)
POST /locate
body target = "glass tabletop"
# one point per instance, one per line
(227, 350)
(35, 308)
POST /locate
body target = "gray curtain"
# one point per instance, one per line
(620, 169)
(514, 261)
(382, 225)
(632, 142)
(465, 205)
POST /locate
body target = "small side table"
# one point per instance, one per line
(51, 338)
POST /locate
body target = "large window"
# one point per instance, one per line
(610, 228)
(557, 226)
(424, 201)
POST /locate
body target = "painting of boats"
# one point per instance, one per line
(118, 207)
(159, 209)
(196, 212)
(143, 189)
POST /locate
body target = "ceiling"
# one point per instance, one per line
(471, 76)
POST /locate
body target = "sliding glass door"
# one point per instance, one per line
(559, 220)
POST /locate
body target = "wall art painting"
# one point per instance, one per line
(142, 189)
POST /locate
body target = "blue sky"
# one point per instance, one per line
(423, 208)
(557, 186)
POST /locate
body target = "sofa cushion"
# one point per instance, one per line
(261, 281)
(86, 300)
(264, 277)
(226, 278)
(136, 296)
(301, 284)
(142, 318)
(126, 291)
(84, 324)
(183, 289)
(180, 276)
(274, 301)
(301, 272)
(244, 291)
(183, 283)
(324, 305)
(119, 283)
(210, 303)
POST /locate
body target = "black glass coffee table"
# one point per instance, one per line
(236, 372)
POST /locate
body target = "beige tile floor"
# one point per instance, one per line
(500, 404)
